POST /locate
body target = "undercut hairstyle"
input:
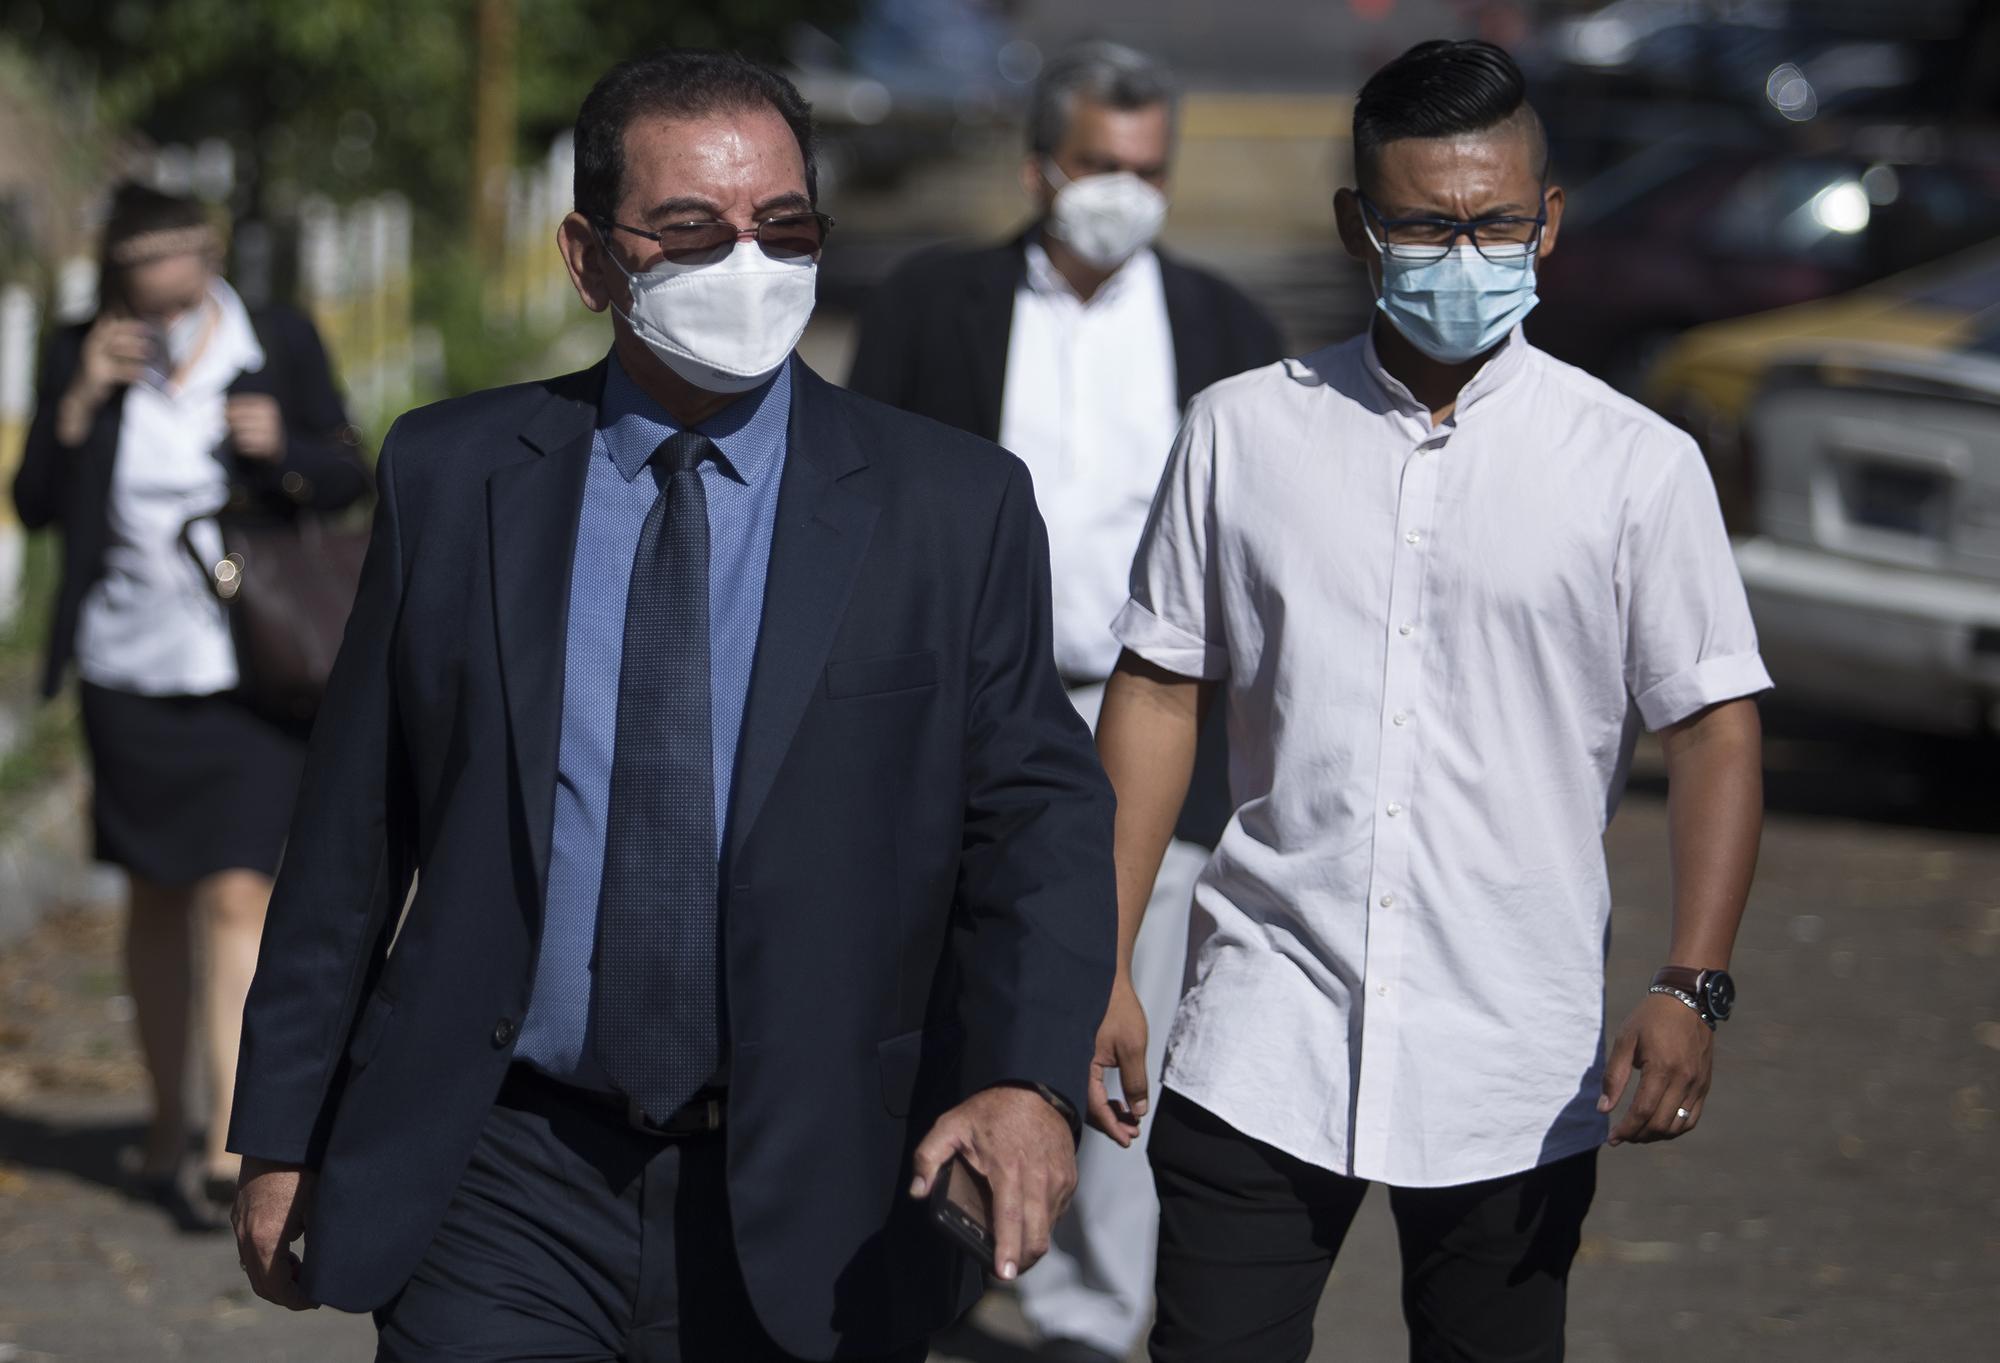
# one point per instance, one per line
(1104, 73)
(675, 83)
(145, 224)
(1444, 88)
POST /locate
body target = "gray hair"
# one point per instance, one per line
(1103, 73)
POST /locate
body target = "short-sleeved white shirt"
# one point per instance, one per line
(1436, 648)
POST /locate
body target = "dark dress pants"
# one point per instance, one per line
(1248, 1235)
(575, 1239)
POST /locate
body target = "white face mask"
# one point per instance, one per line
(173, 343)
(724, 327)
(1106, 219)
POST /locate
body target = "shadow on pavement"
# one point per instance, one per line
(83, 1150)
(103, 1153)
(1833, 768)
(967, 1341)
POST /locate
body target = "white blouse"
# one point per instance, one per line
(151, 625)
(1437, 648)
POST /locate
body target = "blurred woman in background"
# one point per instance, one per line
(142, 428)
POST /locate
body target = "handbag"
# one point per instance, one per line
(288, 583)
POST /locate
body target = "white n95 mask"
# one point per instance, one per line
(1107, 219)
(724, 327)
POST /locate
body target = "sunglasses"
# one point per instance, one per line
(786, 237)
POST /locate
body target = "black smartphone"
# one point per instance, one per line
(159, 365)
(962, 1207)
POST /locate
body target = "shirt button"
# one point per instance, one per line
(1388, 901)
(1394, 809)
(1382, 990)
(503, 1032)
(1407, 630)
(1399, 719)
(1412, 538)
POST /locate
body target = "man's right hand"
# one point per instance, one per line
(1121, 1045)
(271, 1207)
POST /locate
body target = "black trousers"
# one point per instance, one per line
(574, 1239)
(1248, 1235)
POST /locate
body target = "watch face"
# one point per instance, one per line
(1721, 991)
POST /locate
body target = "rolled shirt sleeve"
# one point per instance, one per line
(1174, 617)
(1689, 639)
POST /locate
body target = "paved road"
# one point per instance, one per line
(1841, 1201)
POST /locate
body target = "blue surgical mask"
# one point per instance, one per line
(1460, 305)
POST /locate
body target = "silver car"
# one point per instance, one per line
(1874, 565)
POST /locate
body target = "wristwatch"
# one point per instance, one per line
(1711, 993)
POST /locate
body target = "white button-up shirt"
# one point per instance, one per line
(151, 624)
(1089, 404)
(1437, 646)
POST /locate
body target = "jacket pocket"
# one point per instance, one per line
(900, 1058)
(368, 1033)
(878, 676)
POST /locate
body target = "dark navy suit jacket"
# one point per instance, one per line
(917, 879)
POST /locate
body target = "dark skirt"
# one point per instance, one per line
(186, 786)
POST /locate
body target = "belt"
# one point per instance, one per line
(702, 1114)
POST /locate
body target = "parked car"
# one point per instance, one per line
(1916, 59)
(1873, 564)
(1704, 380)
(1688, 233)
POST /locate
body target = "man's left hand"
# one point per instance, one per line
(1674, 1051)
(1017, 1141)
(256, 427)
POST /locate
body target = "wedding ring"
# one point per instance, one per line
(1681, 1114)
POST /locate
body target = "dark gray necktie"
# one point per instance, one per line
(658, 979)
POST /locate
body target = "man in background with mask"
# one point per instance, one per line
(1076, 345)
(761, 866)
(1440, 581)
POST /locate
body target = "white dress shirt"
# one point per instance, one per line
(1090, 405)
(151, 624)
(1438, 647)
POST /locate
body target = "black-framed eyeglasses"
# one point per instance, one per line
(1425, 240)
(788, 236)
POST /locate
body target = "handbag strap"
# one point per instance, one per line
(225, 576)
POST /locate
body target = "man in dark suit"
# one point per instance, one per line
(1076, 345)
(761, 866)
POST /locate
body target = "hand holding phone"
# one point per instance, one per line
(1021, 1153)
(962, 1207)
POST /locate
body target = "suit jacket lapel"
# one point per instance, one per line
(822, 532)
(533, 508)
(1194, 338)
(987, 319)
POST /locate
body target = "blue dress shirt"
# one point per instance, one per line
(617, 493)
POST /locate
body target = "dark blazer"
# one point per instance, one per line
(320, 468)
(934, 340)
(933, 337)
(919, 898)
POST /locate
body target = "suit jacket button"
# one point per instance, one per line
(503, 1032)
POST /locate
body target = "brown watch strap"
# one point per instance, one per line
(1682, 977)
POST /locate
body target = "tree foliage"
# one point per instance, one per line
(346, 96)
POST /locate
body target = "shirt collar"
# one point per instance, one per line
(1503, 365)
(1044, 278)
(750, 432)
